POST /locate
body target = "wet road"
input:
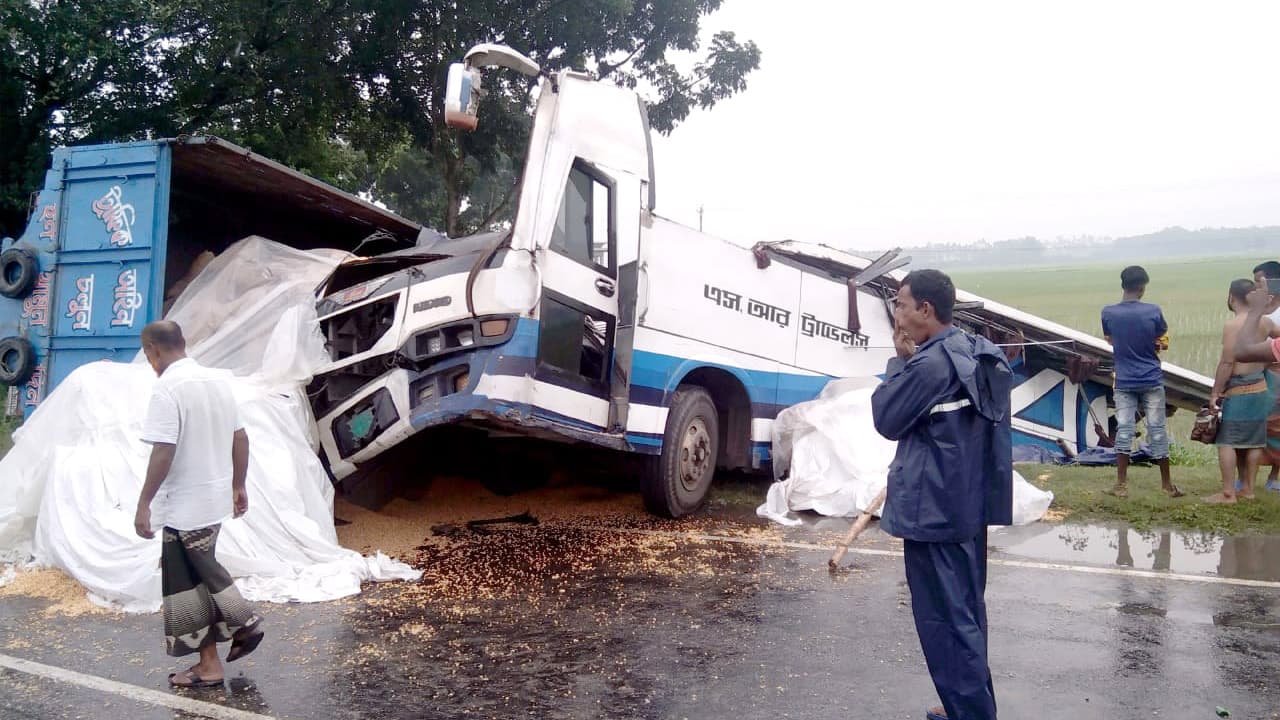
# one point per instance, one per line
(579, 618)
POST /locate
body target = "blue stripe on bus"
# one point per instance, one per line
(655, 375)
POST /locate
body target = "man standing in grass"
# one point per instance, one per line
(1270, 270)
(1137, 332)
(1240, 389)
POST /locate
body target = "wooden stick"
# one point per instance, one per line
(860, 524)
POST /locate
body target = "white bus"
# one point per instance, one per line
(594, 320)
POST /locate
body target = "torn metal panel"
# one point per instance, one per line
(1184, 388)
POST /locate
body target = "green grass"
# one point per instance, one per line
(1193, 295)
(7, 426)
(1078, 494)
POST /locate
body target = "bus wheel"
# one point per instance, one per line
(676, 482)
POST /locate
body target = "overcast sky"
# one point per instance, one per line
(872, 124)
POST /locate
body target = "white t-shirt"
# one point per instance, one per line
(193, 408)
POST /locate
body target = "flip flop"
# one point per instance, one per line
(192, 680)
(245, 640)
(935, 714)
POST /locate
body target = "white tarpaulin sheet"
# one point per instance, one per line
(838, 462)
(70, 485)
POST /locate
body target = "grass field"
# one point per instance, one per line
(1192, 293)
(7, 426)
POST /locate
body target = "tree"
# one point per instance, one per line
(272, 75)
(349, 91)
(62, 62)
(465, 182)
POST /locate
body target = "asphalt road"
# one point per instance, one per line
(589, 618)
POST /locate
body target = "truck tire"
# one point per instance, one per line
(17, 360)
(676, 482)
(18, 270)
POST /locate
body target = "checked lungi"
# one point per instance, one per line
(1246, 405)
(201, 603)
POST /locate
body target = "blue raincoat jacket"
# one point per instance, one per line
(948, 408)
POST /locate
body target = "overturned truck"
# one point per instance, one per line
(116, 230)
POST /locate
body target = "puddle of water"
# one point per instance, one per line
(1249, 557)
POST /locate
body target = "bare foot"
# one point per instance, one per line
(1173, 491)
(1118, 491)
(1221, 499)
(1246, 496)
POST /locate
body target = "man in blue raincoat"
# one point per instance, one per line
(945, 399)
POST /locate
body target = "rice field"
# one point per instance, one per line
(1192, 293)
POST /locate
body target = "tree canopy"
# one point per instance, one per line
(349, 91)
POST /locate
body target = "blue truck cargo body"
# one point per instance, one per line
(115, 225)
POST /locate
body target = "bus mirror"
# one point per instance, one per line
(462, 98)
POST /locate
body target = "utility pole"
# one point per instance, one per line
(700, 218)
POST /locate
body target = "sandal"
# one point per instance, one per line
(192, 680)
(245, 640)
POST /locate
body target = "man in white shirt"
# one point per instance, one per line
(195, 480)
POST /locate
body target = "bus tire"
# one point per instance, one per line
(17, 360)
(18, 270)
(675, 483)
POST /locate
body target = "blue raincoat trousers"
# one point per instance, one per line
(948, 408)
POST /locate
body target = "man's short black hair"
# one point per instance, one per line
(1134, 277)
(935, 288)
(1269, 269)
(164, 334)
(1241, 288)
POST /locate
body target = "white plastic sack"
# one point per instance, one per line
(69, 486)
(838, 462)
(1029, 502)
(230, 312)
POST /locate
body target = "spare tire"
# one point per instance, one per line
(17, 360)
(18, 270)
